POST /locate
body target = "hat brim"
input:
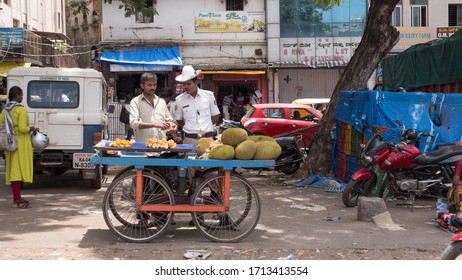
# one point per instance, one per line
(181, 78)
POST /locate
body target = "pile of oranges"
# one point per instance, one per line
(120, 143)
(162, 143)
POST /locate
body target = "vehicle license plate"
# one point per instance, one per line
(82, 161)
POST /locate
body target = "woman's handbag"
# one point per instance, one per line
(7, 141)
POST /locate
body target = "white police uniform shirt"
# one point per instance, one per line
(196, 112)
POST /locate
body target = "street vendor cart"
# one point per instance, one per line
(141, 200)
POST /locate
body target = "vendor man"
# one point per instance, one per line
(149, 115)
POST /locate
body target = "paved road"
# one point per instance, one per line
(66, 217)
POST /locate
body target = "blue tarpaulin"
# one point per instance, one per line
(160, 56)
(328, 183)
(436, 113)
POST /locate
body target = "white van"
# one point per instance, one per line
(70, 106)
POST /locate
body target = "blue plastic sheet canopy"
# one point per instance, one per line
(160, 56)
(436, 113)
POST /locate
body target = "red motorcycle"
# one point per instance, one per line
(408, 172)
(454, 250)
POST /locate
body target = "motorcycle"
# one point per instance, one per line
(454, 250)
(292, 155)
(408, 172)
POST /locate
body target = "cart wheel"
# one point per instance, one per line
(241, 217)
(152, 169)
(123, 217)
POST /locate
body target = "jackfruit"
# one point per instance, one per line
(233, 136)
(267, 150)
(203, 145)
(256, 138)
(222, 152)
(245, 150)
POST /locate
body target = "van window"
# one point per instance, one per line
(53, 94)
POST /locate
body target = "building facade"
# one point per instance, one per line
(32, 33)
(308, 52)
(226, 39)
(83, 27)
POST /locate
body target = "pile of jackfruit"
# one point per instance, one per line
(236, 144)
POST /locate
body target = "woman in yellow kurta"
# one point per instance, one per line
(19, 164)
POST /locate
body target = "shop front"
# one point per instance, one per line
(241, 85)
(123, 69)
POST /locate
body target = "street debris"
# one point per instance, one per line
(312, 207)
(289, 257)
(87, 212)
(332, 218)
(384, 220)
(196, 254)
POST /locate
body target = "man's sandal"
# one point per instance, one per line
(22, 203)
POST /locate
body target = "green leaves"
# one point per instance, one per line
(79, 7)
(132, 7)
(327, 3)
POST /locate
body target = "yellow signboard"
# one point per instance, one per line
(409, 36)
(229, 21)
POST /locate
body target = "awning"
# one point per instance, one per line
(242, 72)
(8, 65)
(161, 56)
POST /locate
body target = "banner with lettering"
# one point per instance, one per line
(229, 21)
(319, 52)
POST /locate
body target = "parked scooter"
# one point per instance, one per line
(454, 250)
(291, 157)
(408, 172)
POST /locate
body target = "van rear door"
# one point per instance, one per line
(56, 108)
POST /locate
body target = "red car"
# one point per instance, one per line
(282, 119)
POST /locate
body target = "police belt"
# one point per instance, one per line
(198, 135)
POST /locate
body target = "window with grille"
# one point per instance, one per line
(140, 18)
(455, 15)
(418, 15)
(418, 2)
(234, 5)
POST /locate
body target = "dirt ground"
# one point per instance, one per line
(66, 223)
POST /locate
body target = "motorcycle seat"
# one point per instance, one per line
(286, 141)
(444, 152)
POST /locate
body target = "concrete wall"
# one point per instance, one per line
(40, 15)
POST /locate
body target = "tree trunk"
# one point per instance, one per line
(378, 39)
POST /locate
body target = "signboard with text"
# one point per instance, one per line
(11, 38)
(446, 32)
(409, 36)
(319, 51)
(229, 21)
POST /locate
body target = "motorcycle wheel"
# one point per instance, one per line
(290, 168)
(357, 188)
(453, 251)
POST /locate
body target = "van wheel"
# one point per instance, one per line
(97, 183)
